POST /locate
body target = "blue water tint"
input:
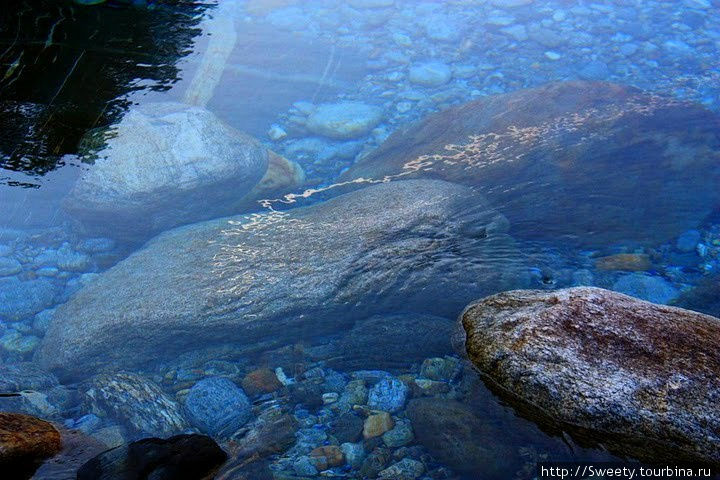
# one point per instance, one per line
(261, 219)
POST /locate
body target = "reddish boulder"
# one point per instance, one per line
(25, 442)
(640, 377)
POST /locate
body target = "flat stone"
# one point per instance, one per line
(345, 120)
(642, 377)
(430, 74)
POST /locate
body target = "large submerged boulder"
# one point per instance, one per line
(568, 159)
(167, 164)
(640, 377)
(420, 246)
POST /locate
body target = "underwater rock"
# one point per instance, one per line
(430, 74)
(629, 262)
(190, 457)
(389, 394)
(642, 377)
(254, 281)
(136, 403)
(21, 299)
(25, 442)
(566, 159)
(9, 266)
(166, 164)
(217, 406)
(262, 380)
(646, 287)
(343, 121)
(457, 437)
(391, 342)
(273, 432)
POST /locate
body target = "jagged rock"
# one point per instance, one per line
(418, 246)
(566, 159)
(641, 376)
(135, 402)
(167, 164)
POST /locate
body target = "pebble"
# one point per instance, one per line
(388, 394)
(430, 74)
(405, 469)
(217, 406)
(401, 434)
(276, 132)
(345, 120)
(354, 454)
(376, 424)
(551, 55)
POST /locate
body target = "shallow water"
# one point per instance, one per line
(142, 234)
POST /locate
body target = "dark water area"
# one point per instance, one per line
(261, 220)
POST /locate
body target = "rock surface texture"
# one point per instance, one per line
(642, 375)
(567, 159)
(166, 164)
(258, 278)
(25, 442)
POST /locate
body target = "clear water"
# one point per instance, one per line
(347, 267)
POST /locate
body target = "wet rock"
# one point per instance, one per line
(163, 165)
(405, 469)
(439, 368)
(455, 436)
(25, 442)
(430, 74)
(376, 461)
(343, 121)
(354, 454)
(355, 393)
(135, 402)
(347, 428)
(217, 406)
(9, 266)
(262, 380)
(687, 242)
(308, 394)
(376, 424)
(389, 394)
(191, 457)
(556, 160)
(21, 299)
(400, 435)
(392, 342)
(256, 283)
(646, 287)
(629, 262)
(273, 432)
(642, 376)
(326, 457)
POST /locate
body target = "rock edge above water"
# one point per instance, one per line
(606, 363)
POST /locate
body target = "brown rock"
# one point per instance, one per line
(326, 457)
(377, 424)
(639, 376)
(262, 380)
(569, 159)
(25, 442)
(630, 262)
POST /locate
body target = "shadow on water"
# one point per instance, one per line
(67, 68)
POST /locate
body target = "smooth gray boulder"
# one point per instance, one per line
(167, 164)
(423, 246)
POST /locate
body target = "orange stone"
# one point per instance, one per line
(630, 262)
(327, 457)
(262, 380)
(25, 442)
